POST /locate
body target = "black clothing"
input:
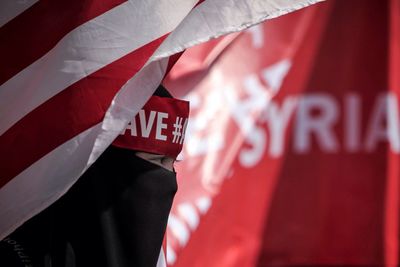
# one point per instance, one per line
(115, 215)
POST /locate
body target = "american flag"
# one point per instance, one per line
(73, 73)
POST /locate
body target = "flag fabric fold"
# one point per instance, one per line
(293, 144)
(75, 73)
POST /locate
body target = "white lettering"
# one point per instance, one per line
(321, 125)
(171, 254)
(277, 121)
(243, 112)
(184, 131)
(256, 90)
(257, 36)
(189, 215)
(161, 126)
(202, 131)
(188, 212)
(146, 128)
(352, 122)
(274, 74)
(132, 127)
(251, 156)
(203, 204)
(384, 123)
(376, 128)
(179, 229)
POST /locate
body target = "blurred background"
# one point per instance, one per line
(292, 150)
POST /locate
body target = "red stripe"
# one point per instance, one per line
(172, 60)
(77, 108)
(199, 2)
(33, 33)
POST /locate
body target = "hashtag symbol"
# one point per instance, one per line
(184, 131)
(177, 130)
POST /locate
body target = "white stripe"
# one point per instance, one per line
(212, 19)
(188, 212)
(127, 103)
(207, 20)
(9, 9)
(171, 255)
(45, 181)
(85, 50)
(49, 178)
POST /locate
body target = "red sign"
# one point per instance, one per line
(158, 128)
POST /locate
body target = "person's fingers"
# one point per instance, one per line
(160, 160)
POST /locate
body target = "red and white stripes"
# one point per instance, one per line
(57, 83)
(73, 73)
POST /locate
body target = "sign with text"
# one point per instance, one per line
(293, 144)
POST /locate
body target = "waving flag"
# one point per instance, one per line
(293, 145)
(73, 73)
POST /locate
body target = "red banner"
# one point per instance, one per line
(292, 147)
(158, 128)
